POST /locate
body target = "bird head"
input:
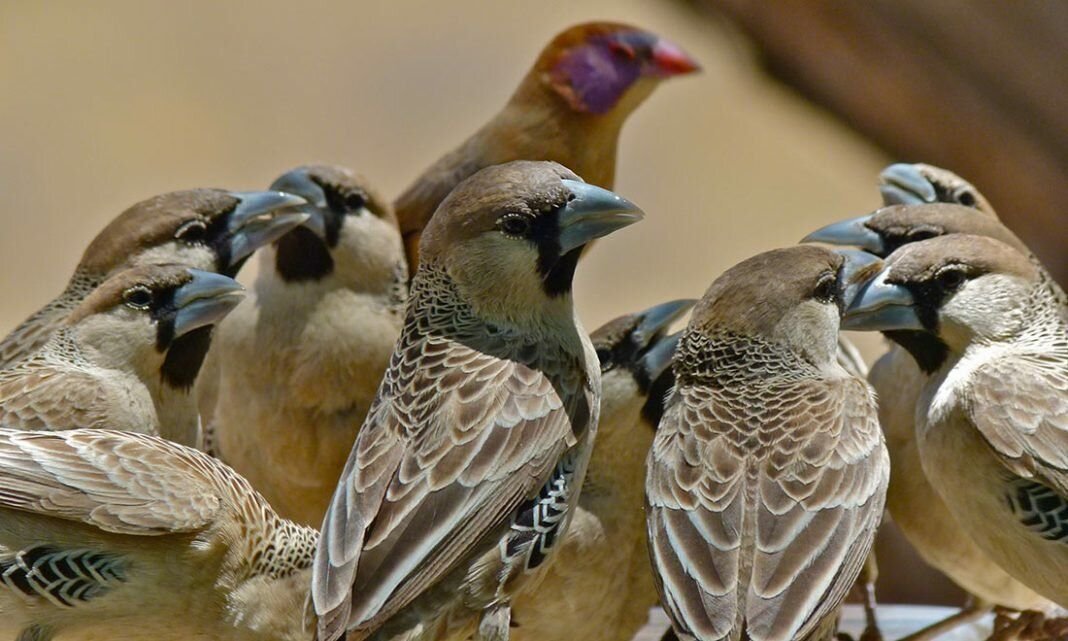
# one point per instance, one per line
(942, 294)
(351, 231)
(885, 230)
(509, 237)
(208, 229)
(791, 297)
(154, 320)
(914, 184)
(601, 67)
(634, 350)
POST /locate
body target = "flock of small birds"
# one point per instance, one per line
(411, 379)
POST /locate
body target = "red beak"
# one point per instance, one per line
(671, 60)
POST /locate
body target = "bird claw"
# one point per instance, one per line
(1029, 625)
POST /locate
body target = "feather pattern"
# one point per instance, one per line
(470, 422)
(765, 486)
(95, 521)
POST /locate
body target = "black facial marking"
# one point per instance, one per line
(556, 271)
(216, 236)
(184, 358)
(302, 256)
(926, 349)
(653, 409)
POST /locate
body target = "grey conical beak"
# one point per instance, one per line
(594, 212)
(854, 231)
(903, 184)
(657, 360)
(300, 183)
(882, 306)
(204, 300)
(263, 231)
(656, 320)
(859, 267)
(254, 204)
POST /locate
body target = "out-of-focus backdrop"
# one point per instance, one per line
(107, 103)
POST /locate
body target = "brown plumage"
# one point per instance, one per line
(466, 471)
(919, 183)
(207, 229)
(125, 358)
(294, 368)
(569, 108)
(767, 476)
(914, 504)
(978, 319)
(114, 535)
(599, 586)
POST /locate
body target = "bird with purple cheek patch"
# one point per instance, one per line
(569, 108)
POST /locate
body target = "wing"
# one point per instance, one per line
(119, 482)
(458, 438)
(765, 530)
(34, 332)
(36, 396)
(1020, 406)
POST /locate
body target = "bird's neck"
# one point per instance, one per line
(728, 360)
(436, 301)
(537, 118)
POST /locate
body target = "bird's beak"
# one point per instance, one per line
(298, 182)
(656, 320)
(670, 60)
(854, 231)
(859, 267)
(263, 231)
(204, 300)
(657, 360)
(592, 213)
(261, 217)
(903, 184)
(882, 306)
(255, 204)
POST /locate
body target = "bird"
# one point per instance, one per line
(126, 358)
(913, 502)
(106, 534)
(767, 475)
(293, 369)
(570, 108)
(207, 229)
(465, 473)
(991, 432)
(599, 585)
(919, 183)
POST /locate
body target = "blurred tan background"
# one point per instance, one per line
(106, 105)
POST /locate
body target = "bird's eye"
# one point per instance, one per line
(354, 202)
(920, 233)
(951, 277)
(965, 197)
(515, 225)
(192, 231)
(139, 297)
(826, 290)
(622, 50)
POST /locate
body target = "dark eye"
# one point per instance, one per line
(192, 231)
(826, 289)
(965, 197)
(139, 297)
(354, 202)
(514, 225)
(916, 235)
(622, 50)
(951, 277)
